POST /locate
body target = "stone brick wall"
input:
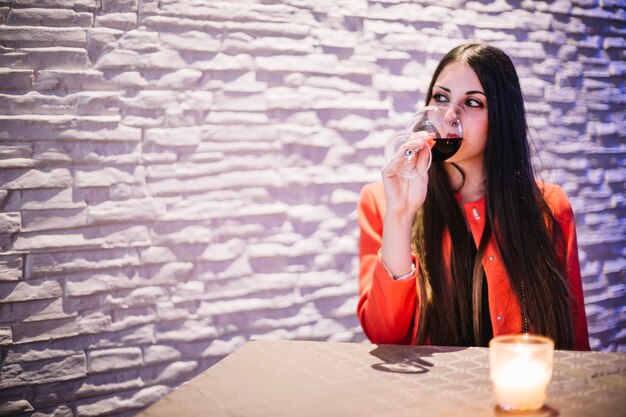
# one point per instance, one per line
(179, 176)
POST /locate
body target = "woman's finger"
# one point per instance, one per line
(412, 155)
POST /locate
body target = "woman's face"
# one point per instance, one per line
(458, 84)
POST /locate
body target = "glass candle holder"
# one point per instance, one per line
(520, 369)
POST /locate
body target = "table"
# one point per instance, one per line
(308, 379)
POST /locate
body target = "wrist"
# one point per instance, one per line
(398, 221)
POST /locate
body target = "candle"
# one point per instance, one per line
(520, 368)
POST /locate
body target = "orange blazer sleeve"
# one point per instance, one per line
(386, 307)
(564, 215)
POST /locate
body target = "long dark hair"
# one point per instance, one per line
(517, 216)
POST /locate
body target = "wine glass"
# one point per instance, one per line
(440, 126)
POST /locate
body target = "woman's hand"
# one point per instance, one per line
(406, 195)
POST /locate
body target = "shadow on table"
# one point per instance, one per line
(407, 359)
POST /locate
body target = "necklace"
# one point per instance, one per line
(524, 313)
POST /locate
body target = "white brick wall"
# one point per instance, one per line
(179, 176)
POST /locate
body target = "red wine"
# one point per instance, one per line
(445, 147)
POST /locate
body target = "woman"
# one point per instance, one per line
(476, 247)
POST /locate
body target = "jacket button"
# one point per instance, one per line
(491, 257)
(499, 318)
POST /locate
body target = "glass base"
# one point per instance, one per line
(542, 411)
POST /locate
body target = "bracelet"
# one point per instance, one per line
(395, 277)
(405, 276)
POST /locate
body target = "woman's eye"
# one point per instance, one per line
(440, 98)
(473, 103)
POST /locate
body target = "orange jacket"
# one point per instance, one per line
(387, 307)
